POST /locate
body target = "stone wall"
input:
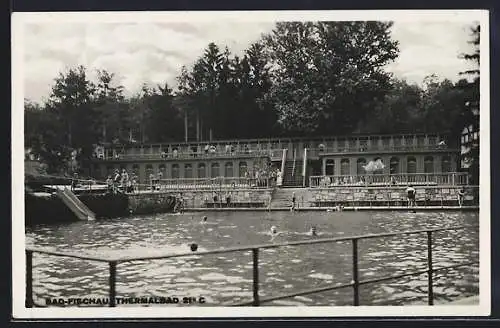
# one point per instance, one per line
(152, 202)
(162, 201)
(368, 196)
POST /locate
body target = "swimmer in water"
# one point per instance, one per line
(204, 219)
(313, 231)
(274, 230)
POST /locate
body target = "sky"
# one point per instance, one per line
(153, 53)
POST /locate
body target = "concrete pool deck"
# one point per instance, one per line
(325, 209)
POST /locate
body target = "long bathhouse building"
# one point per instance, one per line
(302, 162)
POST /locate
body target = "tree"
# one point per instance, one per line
(469, 118)
(67, 120)
(398, 112)
(328, 74)
(165, 122)
(109, 107)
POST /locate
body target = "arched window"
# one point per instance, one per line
(411, 165)
(163, 170)
(428, 164)
(446, 164)
(394, 165)
(188, 171)
(215, 170)
(242, 168)
(228, 169)
(135, 169)
(330, 167)
(202, 172)
(110, 170)
(360, 170)
(344, 167)
(98, 172)
(175, 171)
(149, 171)
(381, 169)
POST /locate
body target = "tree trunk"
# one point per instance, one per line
(185, 126)
(69, 134)
(197, 125)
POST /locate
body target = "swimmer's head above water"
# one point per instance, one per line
(274, 230)
(205, 218)
(313, 231)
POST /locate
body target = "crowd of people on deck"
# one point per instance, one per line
(207, 150)
(122, 182)
(327, 181)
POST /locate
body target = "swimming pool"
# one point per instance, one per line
(222, 278)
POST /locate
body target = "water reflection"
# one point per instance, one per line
(227, 277)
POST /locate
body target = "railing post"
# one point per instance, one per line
(430, 291)
(255, 253)
(29, 279)
(112, 283)
(355, 272)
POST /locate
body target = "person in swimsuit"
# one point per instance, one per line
(461, 194)
(410, 195)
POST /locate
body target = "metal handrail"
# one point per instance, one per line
(279, 139)
(395, 179)
(355, 283)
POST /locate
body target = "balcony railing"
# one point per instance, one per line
(426, 179)
(193, 155)
(207, 183)
(254, 250)
(316, 152)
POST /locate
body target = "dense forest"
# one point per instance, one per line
(303, 78)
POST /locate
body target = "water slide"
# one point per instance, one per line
(75, 205)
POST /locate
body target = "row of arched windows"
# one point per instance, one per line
(394, 165)
(201, 170)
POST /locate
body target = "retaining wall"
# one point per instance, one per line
(196, 198)
(373, 196)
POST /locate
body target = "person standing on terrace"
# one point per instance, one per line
(151, 181)
(134, 183)
(116, 180)
(74, 181)
(109, 184)
(160, 176)
(461, 194)
(124, 179)
(410, 195)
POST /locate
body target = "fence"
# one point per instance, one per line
(426, 179)
(183, 155)
(219, 183)
(257, 300)
(315, 152)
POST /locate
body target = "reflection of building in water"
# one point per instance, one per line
(342, 158)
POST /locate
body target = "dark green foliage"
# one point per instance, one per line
(323, 78)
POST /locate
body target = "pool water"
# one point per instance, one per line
(227, 278)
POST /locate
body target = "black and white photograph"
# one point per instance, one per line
(250, 164)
